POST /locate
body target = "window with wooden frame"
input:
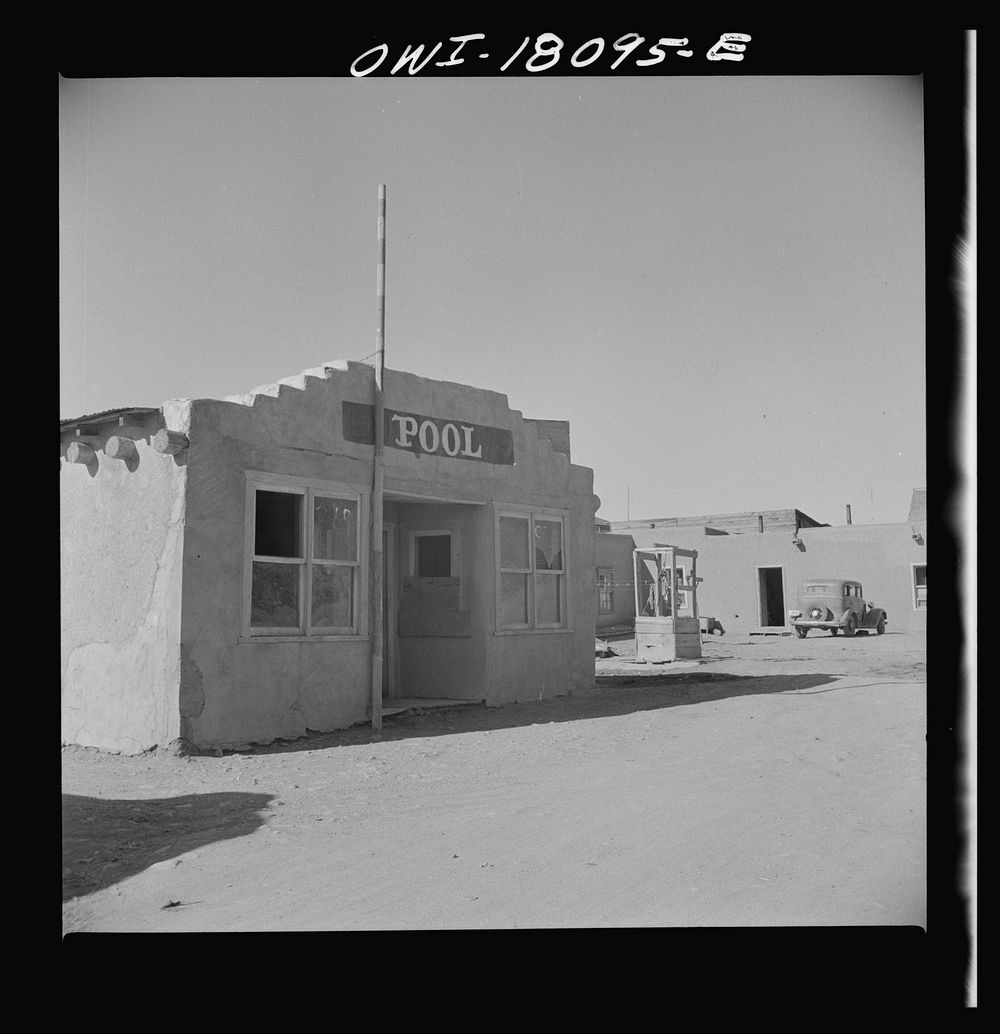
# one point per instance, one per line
(303, 568)
(682, 596)
(531, 570)
(605, 591)
(919, 586)
(432, 554)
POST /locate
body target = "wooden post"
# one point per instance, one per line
(80, 452)
(673, 585)
(377, 560)
(170, 442)
(117, 448)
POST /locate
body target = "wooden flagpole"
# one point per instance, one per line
(377, 559)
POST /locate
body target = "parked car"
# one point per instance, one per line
(835, 604)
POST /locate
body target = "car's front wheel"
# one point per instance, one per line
(801, 632)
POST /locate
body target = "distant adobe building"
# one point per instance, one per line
(752, 564)
(215, 573)
(727, 523)
(918, 507)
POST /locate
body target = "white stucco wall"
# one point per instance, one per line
(237, 691)
(614, 553)
(121, 543)
(880, 556)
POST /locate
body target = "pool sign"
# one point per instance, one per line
(430, 435)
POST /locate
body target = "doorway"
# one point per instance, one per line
(771, 595)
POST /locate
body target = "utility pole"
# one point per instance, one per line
(377, 559)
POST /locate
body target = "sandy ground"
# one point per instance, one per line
(779, 782)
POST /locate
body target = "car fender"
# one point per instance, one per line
(873, 616)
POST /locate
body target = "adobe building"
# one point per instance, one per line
(615, 580)
(216, 560)
(751, 564)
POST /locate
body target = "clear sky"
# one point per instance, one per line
(718, 281)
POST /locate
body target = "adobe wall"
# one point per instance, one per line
(615, 552)
(234, 691)
(238, 691)
(877, 555)
(121, 544)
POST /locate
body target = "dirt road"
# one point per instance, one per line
(780, 782)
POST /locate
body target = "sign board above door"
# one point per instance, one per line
(434, 436)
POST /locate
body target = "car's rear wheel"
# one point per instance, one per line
(880, 627)
(801, 632)
(851, 626)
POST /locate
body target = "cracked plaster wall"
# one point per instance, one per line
(121, 535)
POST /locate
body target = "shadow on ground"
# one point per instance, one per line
(612, 696)
(105, 841)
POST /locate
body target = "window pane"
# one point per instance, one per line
(549, 599)
(548, 545)
(605, 595)
(335, 529)
(513, 600)
(433, 559)
(514, 542)
(332, 596)
(274, 596)
(277, 528)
